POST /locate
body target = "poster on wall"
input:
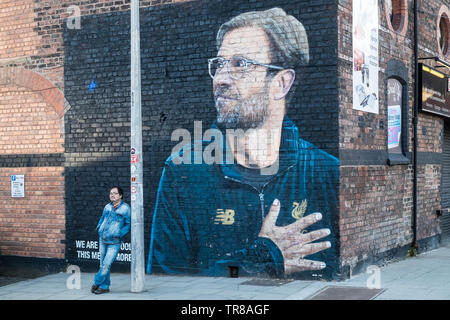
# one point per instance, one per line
(394, 115)
(365, 55)
(394, 123)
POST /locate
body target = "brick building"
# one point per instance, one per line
(65, 125)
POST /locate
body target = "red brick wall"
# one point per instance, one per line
(376, 208)
(376, 201)
(33, 226)
(17, 24)
(31, 123)
(28, 123)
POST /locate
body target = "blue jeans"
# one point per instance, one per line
(108, 253)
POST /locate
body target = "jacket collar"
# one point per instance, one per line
(120, 203)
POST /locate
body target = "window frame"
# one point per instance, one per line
(443, 12)
(400, 9)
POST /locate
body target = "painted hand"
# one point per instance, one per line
(292, 242)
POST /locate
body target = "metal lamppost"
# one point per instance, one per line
(136, 159)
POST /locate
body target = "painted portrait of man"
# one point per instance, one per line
(268, 208)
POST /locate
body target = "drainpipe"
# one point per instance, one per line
(414, 245)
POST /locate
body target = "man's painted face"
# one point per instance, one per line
(243, 103)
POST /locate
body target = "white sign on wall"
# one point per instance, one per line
(18, 186)
(365, 55)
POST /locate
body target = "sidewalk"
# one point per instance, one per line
(426, 276)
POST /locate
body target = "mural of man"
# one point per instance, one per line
(268, 212)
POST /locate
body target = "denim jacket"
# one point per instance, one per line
(114, 223)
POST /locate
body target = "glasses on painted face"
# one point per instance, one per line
(236, 66)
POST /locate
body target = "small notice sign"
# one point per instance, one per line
(18, 186)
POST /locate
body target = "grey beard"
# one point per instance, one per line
(245, 114)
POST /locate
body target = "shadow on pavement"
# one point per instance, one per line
(9, 276)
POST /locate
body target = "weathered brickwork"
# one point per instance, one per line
(28, 123)
(377, 200)
(18, 23)
(31, 129)
(33, 226)
(429, 200)
(376, 208)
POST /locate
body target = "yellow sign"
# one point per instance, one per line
(433, 72)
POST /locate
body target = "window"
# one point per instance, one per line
(397, 113)
(397, 16)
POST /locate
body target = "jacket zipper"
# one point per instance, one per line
(260, 193)
(261, 199)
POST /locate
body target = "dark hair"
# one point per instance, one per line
(119, 190)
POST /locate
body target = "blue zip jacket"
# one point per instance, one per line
(114, 224)
(207, 217)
